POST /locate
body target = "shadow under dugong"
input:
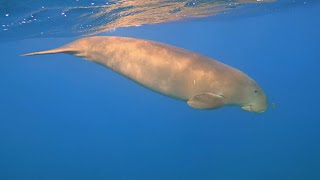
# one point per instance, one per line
(200, 81)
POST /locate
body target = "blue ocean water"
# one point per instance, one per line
(62, 117)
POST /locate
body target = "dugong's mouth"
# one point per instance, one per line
(247, 108)
(251, 108)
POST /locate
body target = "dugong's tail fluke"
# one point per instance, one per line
(52, 51)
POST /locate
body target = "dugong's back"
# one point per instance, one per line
(166, 69)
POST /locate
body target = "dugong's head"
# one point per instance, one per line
(248, 94)
(253, 97)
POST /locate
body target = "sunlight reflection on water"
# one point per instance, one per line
(30, 19)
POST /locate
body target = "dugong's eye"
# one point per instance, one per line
(256, 91)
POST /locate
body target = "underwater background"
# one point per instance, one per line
(62, 117)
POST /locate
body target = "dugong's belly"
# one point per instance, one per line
(165, 69)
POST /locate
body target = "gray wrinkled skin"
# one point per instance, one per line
(171, 71)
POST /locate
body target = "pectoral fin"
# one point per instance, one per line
(206, 101)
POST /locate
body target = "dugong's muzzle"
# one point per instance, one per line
(255, 108)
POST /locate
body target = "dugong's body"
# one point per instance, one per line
(203, 82)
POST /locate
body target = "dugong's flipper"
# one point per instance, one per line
(206, 101)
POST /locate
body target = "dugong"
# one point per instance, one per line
(202, 82)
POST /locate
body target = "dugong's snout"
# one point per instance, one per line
(254, 108)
